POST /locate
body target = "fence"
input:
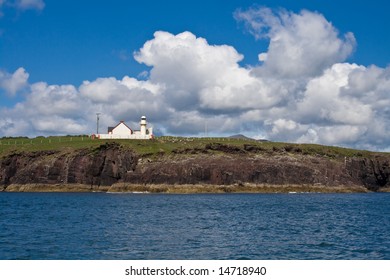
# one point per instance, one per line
(43, 140)
(73, 139)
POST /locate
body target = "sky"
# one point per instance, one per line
(302, 71)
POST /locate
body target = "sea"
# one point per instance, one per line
(108, 226)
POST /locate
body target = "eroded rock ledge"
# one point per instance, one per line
(104, 165)
(216, 168)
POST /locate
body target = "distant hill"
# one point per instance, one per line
(243, 137)
(240, 136)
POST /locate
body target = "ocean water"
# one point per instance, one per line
(202, 226)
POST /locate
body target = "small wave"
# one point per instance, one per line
(127, 192)
(325, 245)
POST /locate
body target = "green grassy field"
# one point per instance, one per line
(170, 145)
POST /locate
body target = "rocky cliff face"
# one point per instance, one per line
(373, 173)
(103, 166)
(215, 164)
(225, 169)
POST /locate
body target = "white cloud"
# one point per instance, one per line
(197, 74)
(285, 129)
(187, 65)
(53, 100)
(13, 126)
(323, 102)
(262, 56)
(12, 83)
(334, 109)
(329, 135)
(47, 110)
(125, 99)
(301, 44)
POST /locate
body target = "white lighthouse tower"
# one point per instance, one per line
(122, 131)
(143, 125)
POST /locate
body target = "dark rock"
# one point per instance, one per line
(216, 164)
(224, 148)
(373, 173)
(103, 166)
(230, 168)
(252, 148)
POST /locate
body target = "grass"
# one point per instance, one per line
(168, 145)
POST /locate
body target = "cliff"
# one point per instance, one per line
(209, 164)
(104, 165)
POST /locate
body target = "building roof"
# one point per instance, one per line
(110, 128)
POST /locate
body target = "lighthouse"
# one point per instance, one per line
(143, 125)
(122, 131)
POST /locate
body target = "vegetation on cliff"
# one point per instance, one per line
(173, 145)
(182, 165)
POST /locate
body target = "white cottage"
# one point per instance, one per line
(122, 131)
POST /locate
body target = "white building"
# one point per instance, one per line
(122, 131)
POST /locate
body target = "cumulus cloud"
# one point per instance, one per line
(323, 101)
(187, 65)
(302, 44)
(302, 91)
(201, 76)
(125, 99)
(12, 83)
(65, 109)
(335, 109)
(48, 109)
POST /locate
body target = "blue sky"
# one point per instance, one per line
(72, 41)
(105, 56)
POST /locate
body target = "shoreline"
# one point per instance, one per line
(193, 166)
(185, 189)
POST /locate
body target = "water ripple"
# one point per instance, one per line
(231, 226)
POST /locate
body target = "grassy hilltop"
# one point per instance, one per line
(171, 145)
